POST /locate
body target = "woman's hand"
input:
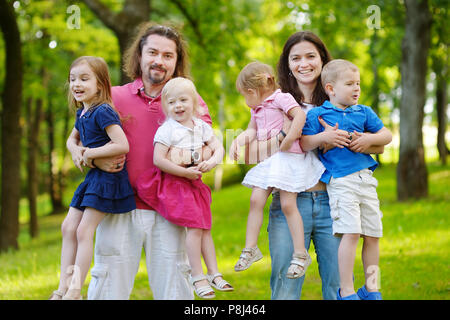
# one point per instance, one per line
(286, 144)
(333, 137)
(361, 142)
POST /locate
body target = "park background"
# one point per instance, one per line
(400, 46)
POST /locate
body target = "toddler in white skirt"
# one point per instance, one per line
(290, 170)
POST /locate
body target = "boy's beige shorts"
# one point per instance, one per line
(354, 204)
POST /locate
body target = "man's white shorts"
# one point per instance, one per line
(354, 204)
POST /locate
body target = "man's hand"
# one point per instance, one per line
(110, 164)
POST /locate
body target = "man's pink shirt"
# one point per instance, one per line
(141, 117)
(269, 116)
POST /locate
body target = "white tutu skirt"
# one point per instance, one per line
(292, 172)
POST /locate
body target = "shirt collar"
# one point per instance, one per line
(197, 123)
(328, 105)
(137, 87)
(90, 111)
(269, 98)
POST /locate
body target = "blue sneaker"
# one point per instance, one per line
(363, 294)
(350, 297)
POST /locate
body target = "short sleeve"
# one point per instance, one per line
(373, 122)
(163, 135)
(207, 131)
(77, 119)
(204, 110)
(312, 125)
(285, 101)
(106, 116)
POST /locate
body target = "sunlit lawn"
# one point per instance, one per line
(414, 258)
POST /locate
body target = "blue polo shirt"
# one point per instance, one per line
(342, 162)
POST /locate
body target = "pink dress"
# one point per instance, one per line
(182, 201)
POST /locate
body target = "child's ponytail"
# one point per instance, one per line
(258, 76)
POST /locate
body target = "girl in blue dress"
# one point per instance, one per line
(99, 128)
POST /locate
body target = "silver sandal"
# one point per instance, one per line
(299, 264)
(204, 291)
(220, 285)
(247, 257)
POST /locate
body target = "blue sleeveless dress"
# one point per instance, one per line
(104, 191)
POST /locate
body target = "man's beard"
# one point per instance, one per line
(159, 78)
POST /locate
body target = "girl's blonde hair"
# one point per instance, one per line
(100, 70)
(258, 76)
(184, 84)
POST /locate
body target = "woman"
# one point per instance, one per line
(299, 68)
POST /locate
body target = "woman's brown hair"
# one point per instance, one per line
(287, 81)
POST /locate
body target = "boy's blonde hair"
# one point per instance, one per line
(333, 69)
(100, 70)
(258, 76)
(184, 84)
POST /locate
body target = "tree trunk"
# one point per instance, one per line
(124, 24)
(32, 176)
(441, 108)
(412, 175)
(10, 129)
(54, 172)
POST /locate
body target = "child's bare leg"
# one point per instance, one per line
(346, 261)
(370, 257)
(294, 219)
(255, 216)
(209, 255)
(194, 252)
(85, 239)
(69, 247)
(209, 252)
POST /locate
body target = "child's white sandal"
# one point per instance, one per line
(220, 285)
(204, 291)
(299, 263)
(247, 257)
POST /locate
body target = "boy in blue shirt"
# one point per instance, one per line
(354, 204)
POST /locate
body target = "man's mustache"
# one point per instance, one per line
(157, 67)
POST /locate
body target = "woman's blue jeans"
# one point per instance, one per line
(315, 211)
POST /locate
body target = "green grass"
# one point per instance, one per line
(414, 252)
